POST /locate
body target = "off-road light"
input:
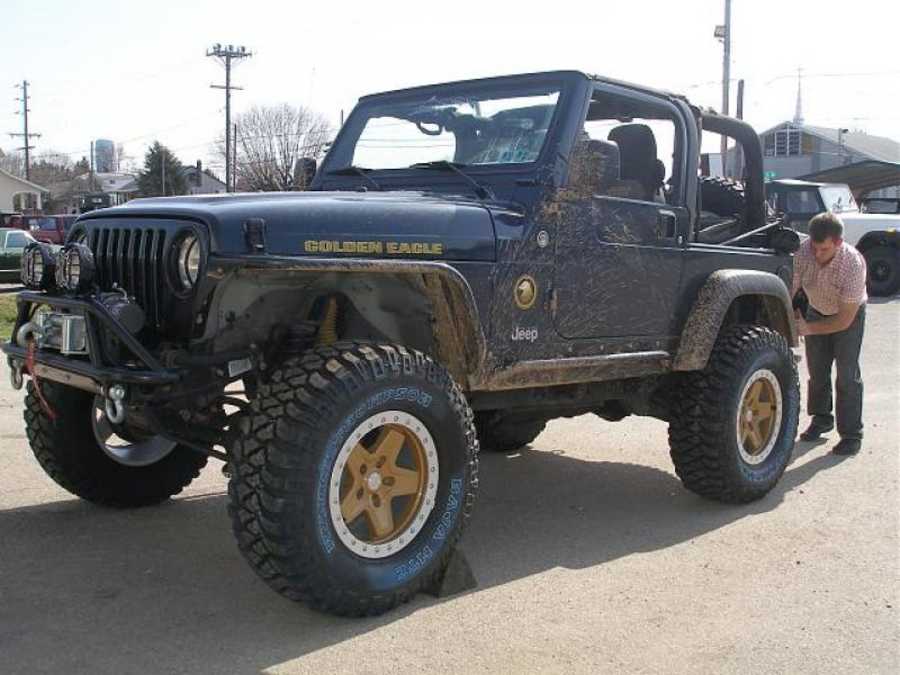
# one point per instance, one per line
(75, 268)
(38, 266)
(188, 261)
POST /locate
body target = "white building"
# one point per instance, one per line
(18, 194)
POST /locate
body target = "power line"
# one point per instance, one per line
(225, 56)
(25, 135)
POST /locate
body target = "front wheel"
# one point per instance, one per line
(113, 466)
(354, 474)
(883, 270)
(734, 423)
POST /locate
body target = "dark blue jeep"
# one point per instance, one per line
(473, 259)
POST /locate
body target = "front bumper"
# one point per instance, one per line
(97, 371)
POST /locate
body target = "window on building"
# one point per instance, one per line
(783, 143)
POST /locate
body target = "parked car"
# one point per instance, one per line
(12, 242)
(880, 205)
(874, 234)
(7, 216)
(50, 229)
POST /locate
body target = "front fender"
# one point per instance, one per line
(714, 300)
(457, 328)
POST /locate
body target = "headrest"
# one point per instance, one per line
(638, 147)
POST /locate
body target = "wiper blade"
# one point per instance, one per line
(482, 191)
(351, 170)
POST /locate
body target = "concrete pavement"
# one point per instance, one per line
(590, 555)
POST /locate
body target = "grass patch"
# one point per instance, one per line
(7, 314)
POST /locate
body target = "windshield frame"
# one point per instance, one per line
(340, 154)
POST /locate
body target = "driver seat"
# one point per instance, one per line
(640, 167)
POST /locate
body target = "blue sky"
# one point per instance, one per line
(136, 72)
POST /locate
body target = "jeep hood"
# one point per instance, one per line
(333, 224)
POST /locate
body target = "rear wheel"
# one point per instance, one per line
(883, 270)
(113, 466)
(502, 433)
(734, 423)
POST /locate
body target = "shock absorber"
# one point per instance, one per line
(328, 328)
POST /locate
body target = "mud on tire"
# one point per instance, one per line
(500, 433)
(67, 450)
(298, 428)
(705, 435)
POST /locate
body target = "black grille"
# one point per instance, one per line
(132, 258)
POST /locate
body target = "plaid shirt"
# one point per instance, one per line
(843, 280)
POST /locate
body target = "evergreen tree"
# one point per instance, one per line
(160, 161)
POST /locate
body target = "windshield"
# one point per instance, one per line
(470, 129)
(838, 199)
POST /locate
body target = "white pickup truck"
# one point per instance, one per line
(874, 234)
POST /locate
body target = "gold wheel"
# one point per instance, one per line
(759, 416)
(383, 484)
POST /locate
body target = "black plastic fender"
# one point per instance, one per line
(716, 296)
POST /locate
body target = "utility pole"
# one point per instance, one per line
(91, 183)
(723, 32)
(162, 168)
(25, 135)
(226, 54)
(234, 162)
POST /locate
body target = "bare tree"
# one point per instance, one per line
(12, 162)
(271, 143)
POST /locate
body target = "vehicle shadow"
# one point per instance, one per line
(164, 589)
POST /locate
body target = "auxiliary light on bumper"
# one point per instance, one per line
(75, 269)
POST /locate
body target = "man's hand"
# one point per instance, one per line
(802, 327)
(832, 324)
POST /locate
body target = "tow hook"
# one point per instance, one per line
(27, 332)
(113, 405)
(16, 378)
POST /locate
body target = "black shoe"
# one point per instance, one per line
(815, 430)
(847, 446)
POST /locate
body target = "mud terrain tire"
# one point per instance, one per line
(710, 456)
(723, 197)
(883, 267)
(67, 450)
(500, 433)
(287, 469)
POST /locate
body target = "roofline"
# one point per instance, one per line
(41, 188)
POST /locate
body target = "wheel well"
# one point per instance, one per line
(421, 311)
(761, 310)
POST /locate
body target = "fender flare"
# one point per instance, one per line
(887, 237)
(716, 296)
(457, 326)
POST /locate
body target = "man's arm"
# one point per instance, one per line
(832, 324)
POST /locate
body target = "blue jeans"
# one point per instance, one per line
(841, 349)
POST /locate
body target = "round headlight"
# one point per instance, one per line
(78, 237)
(189, 261)
(75, 268)
(38, 266)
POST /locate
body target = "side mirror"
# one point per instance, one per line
(784, 240)
(304, 172)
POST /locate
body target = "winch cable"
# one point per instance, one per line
(29, 367)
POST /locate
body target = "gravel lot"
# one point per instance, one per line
(589, 554)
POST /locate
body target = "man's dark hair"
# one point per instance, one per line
(825, 225)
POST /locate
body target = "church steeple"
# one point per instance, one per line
(798, 113)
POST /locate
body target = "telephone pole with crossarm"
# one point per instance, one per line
(227, 54)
